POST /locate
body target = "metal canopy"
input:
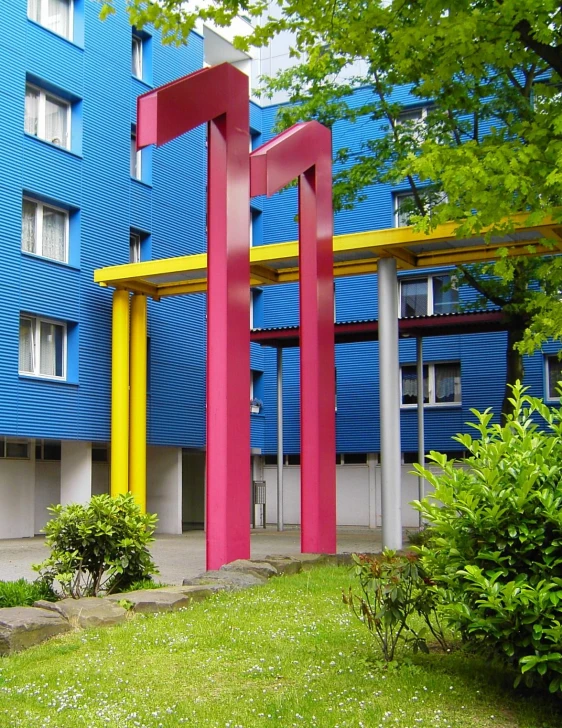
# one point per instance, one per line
(354, 254)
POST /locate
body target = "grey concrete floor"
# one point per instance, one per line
(183, 556)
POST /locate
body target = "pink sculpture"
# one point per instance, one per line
(219, 96)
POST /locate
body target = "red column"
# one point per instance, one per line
(305, 151)
(220, 96)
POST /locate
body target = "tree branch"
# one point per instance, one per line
(477, 285)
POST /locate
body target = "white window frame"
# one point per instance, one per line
(549, 396)
(405, 194)
(43, 12)
(135, 249)
(36, 344)
(39, 229)
(138, 159)
(18, 441)
(42, 117)
(429, 281)
(431, 385)
(137, 41)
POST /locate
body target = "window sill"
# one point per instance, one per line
(141, 80)
(56, 35)
(50, 380)
(434, 405)
(53, 146)
(42, 258)
(140, 182)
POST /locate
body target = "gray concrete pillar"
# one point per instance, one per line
(390, 404)
(280, 439)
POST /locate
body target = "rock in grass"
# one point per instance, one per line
(168, 599)
(284, 564)
(86, 612)
(23, 627)
(262, 569)
(229, 580)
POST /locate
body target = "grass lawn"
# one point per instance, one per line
(285, 654)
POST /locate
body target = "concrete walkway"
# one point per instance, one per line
(182, 556)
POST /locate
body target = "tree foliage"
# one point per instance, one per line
(489, 146)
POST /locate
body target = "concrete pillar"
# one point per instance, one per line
(120, 394)
(421, 433)
(280, 525)
(390, 404)
(164, 487)
(372, 467)
(137, 426)
(75, 471)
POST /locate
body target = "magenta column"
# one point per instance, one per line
(305, 151)
(219, 96)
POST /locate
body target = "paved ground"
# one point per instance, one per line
(183, 556)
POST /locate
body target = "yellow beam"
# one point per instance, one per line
(263, 274)
(120, 394)
(137, 428)
(480, 254)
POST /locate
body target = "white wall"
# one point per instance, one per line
(17, 498)
(75, 471)
(164, 487)
(47, 490)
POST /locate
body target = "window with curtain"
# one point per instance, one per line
(44, 230)
(56, 15)
(42, 346)
(445, 294)
(413, 298)
(441, 384)
(47, 117)
(554, 375)
(136, 158)
(136, 56)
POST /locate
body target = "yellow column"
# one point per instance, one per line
(137, 460)
(120, 394)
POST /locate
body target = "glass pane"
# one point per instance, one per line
(54, 234)
(410, 385)
(31, 111)
(445, 298)
(58, 17)
(26, 346)
(447, 383)
(136, 57)
(17, 449)
(135, 159)
(51, 345)
(28, 229)
(413, 298)
(554, 376)
(56, 121)
(34, 10)
(134, 248)
(51, 450)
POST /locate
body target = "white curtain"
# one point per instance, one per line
(28, 239)
(51, 342)
(31, 111)
(26, 350)
(410, 385)
(56, 115)
(54, 234)
(58, 17)
(447, 383)
(34, 10)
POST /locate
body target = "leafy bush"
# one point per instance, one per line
(394, 587)
(496, 546)
(22, 593)
(101, 546)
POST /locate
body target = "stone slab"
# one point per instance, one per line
(284, 564)
(86, 612)
(262, 569)
(169, 599)
(230, 580)
(23, 627)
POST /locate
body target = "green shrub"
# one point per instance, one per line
(394, 587)
(496, 547)
(22, 593)
(101, 546)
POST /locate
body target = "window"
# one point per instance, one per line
(134, 247)
(47, 117)
(441, 384)
(411, 124)
(354, 458)
(553, 376)
(405, 205)
(428, 296)
(136, 56)
(42, 347)
(136, 158)
(56, 15)
(100, 452)
(13, 447)
(44, 230)
(47, 450)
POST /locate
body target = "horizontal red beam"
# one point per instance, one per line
(461, 323)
